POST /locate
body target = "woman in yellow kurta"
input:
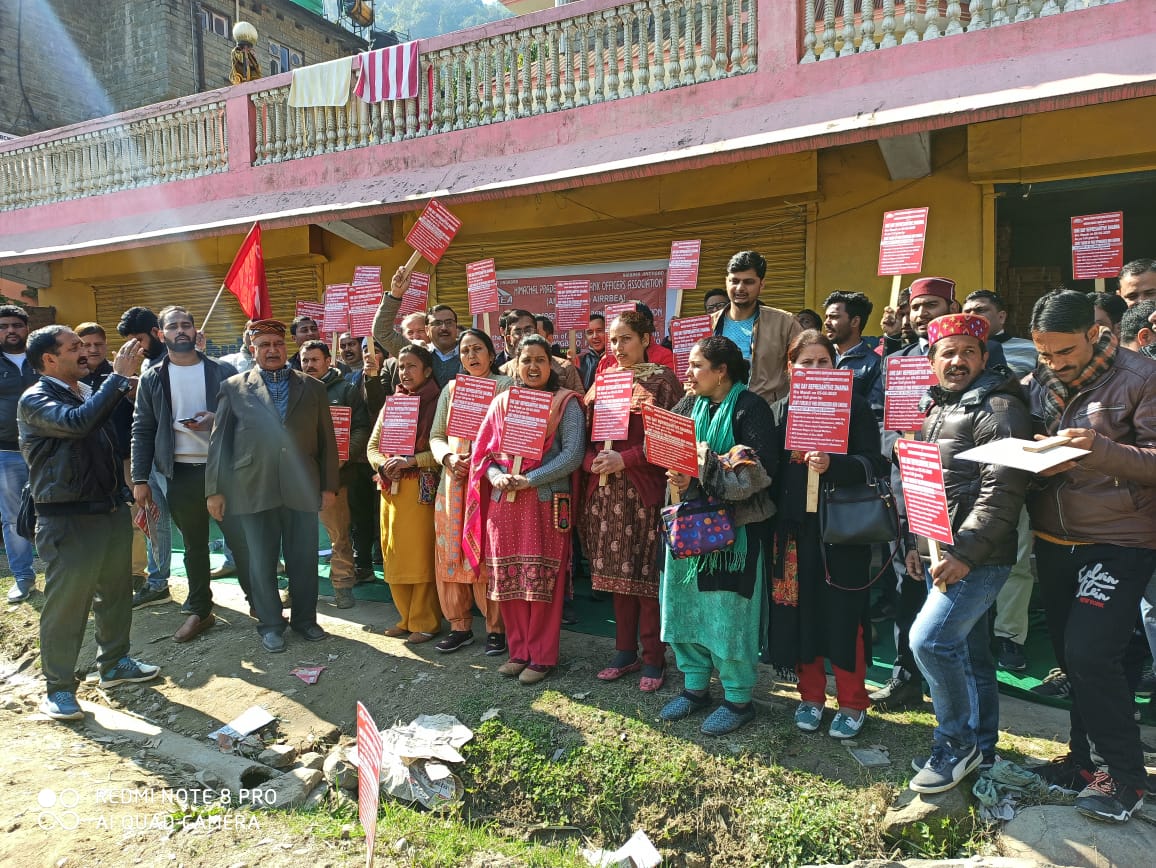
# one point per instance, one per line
(407, 518)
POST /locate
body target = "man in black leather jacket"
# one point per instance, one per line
(83, 531)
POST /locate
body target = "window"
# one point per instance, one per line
(214, 22)
(283, 58)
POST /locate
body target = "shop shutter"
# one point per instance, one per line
(286, 287)
(779, 234)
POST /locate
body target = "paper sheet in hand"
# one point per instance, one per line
(1009, 452)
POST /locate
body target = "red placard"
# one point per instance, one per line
(901, 243)
(921, 470)
(336, 315)
(1097, 245)
(682, 273)
(434, 230)
(670, 440)
(571, 305)
(482, 287)
(342, 419)
(906, 381)
(369, 749)
(819, 410)
(364, 300)
(612, 392)
(472, 398)
(527, 415)
(684, 334)
(363, 274)
(398, 425)
(315, 310)
(416, 297)
(613, 310)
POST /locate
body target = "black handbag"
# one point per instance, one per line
(858, 515)
(26, 516)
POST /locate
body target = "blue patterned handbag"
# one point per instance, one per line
(697, 527)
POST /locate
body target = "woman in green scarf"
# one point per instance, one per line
(713, 606)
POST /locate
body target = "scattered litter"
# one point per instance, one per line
(1000, 789)
(638, 852)
(875, 757)
(490, 714)
(308, 674)
(413, 760)
(558, 754)
(581, 695)
(333, 657)
(251, 720)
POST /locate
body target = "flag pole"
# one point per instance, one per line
(212, 307)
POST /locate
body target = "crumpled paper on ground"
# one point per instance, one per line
(638, 852)
(413, 759)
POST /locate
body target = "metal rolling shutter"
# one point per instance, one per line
(779, 234)
(286, 287)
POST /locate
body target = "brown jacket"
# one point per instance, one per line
(1110, 495)
(774, 330)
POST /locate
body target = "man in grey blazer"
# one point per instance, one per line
(273, 464)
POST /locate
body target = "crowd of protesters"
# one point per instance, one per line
(248, 441)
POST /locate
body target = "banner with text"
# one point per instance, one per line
(527, 417)
(471, 400)
(819, 410)
(1097, 245)
(921, 471)
(399, 425)
(669, 440)
(612, 395)
(907, 381)
(434, 230)
(901, 242)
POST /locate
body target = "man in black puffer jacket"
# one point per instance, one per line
(969, 407)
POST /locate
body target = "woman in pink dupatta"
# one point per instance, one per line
(525, 543)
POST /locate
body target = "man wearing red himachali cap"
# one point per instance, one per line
(970, 406)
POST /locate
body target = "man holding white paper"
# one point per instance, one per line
(1095, 527)
(949, 638)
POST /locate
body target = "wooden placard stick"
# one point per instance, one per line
(393, 486)
(411, 264)
(486, 322)
(573, 344)
(603, 478)
(515, 470)
(895, 281)
(675, 496)
(936, 557)
(812, 490)
(1099, 284)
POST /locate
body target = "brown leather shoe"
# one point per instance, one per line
(418, 637)
(512, 668)
(194, 626)
(395, 632)
(533, 676)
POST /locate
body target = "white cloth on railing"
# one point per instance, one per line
(321, 84)
(389, 73)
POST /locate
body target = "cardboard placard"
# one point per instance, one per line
(399, 425)
(363, 274)
(901, 242)
(364, 300)
(921, 470)
(684, 334)
(527, 416)
(416, 297)
(315, 310)
(369, 748)
(336, 315)
(342, 420)
(612, 393)
(1097, 245)
(906, 381)
(471, 400)
(682, 273)
(434, 230)
(670, 440)
(482, 287)
(571, 305)
(819, 410)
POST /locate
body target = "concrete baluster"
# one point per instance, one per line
(848, 31)
(686, 56)
(999, 13)
(954, 16)
(581, 46)
(598, 58)
(471, 78)
(751, 47)
(978, 15)
(910, 22)
(808, 32)
(485, 80)
(931, 19)
(640, 14)
(658, 49)
(537, 61)
(553, 89)
(511, 78)
(1024, 11)
(566, 62)
(525, 71)
(887, 25)
(262, 122)
(626, 73)
(867, 27)
(828, 30)
(1051, 7)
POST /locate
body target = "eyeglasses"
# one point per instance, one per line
(716, 305)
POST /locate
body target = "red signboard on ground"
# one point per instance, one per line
(364, 300)
(482, 287)
(399, 425)
(472, 398)
(336, 316)
(906, 382)
(434, 230)
(315, 310)
(901, 243)
(684, 334)
(669, 440)
(819, 410)
(416, 297)
(363, 274)
(682, 273)
(342, 419)
(921, 470)
(612, 406)
(369, 750)
(1097, 245)
(571, 305)
(527, 415)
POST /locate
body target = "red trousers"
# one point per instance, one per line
(850, 688)
(637, 617)
(533, 630)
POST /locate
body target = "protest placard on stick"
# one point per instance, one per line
(819, 417)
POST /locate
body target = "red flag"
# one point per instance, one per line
(246, 277)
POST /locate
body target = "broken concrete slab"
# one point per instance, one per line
(291, 789)
(1059, 834)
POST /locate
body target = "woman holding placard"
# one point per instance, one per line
(408, 485)
(518, 512)
(820, 594)
(713, 604)
(458, 585)
(623, 494)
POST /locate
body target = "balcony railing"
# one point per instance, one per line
(609, 54)
(838, 28)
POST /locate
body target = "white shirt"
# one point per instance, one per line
(187, 387)
(17, 359)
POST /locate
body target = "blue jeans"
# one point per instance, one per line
(1148, 614)
(951, 645)
(160, 547)
(13, 476)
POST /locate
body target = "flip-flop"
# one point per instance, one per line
(613, 673)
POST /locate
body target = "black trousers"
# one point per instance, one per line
(268, 534)
(1091, 596)
(364, 506)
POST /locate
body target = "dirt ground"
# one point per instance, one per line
(76, 794)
